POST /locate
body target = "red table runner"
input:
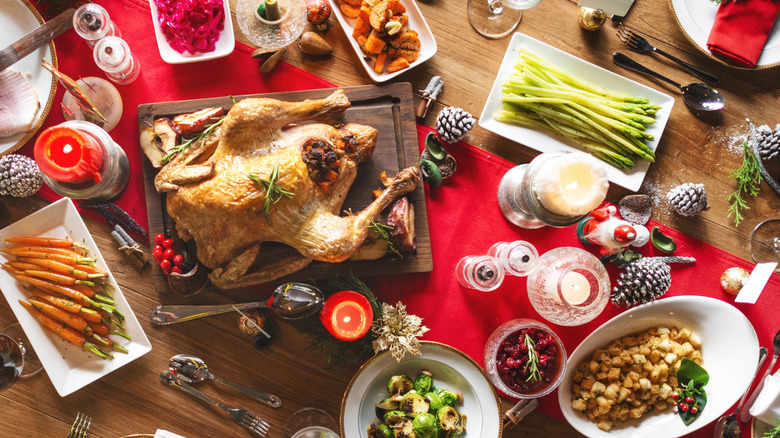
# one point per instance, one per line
(464, 217)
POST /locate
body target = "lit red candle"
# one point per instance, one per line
(68, 155)
(347, 315)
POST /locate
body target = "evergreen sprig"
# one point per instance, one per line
(200, 137)
(273, 192)
(533, 360)
(383, 231)
(748, 178)
(774, 432)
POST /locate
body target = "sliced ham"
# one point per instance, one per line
(18, 103)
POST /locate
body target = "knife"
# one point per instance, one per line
(38, 37)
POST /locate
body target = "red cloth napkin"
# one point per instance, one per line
(464, 219)
(235, 74)
(741, 29)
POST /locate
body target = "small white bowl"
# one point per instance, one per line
(225, 44)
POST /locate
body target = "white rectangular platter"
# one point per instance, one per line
(544, 141)
(416, 22)
(69, 367)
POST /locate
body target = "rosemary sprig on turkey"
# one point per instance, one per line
(208, 129)
(273, 192)
(381, 230)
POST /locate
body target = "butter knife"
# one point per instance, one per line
(38, 37)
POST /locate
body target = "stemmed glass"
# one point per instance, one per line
(17, 358)
(497, 18)
(310, 423)
(765, 242)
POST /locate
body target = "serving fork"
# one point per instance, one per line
(246, 419)
(639, 44)
(80, 426)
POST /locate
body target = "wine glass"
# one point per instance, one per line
(765, 242)
(497, 18)
(12, 361)
(32, 365)
(310, 423)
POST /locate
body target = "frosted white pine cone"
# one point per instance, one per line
(688, 199)
(453, 123)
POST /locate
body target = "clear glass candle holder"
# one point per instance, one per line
(484, 273)
(518, 258)
(509, 377)
(114, 172)
(272, 34)
(91, 22)
(569, 286)
(520, 197)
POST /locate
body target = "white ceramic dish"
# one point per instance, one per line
(696, 17)
(225, 44)
(17, 19)
(545, 141)
(451, 369)
(729, 348)
(416, 22)
(69, 367)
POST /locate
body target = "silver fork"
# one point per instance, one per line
(80, 426)
(246, 419)
(639, 44)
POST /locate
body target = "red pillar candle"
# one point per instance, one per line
(68, 155)
(347, 315)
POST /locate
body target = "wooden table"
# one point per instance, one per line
(693, 149)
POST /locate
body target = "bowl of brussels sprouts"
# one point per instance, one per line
(439, 393)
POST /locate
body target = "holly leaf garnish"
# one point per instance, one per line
(691, 398)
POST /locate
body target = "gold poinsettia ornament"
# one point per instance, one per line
(398, 331)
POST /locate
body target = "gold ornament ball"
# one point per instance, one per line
(591, 19)
(733, 279)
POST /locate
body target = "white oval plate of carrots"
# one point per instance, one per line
(70, 367)
(415, 20)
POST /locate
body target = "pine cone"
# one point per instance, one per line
(453, 123)
(768, 142)
(644, 280)
(19, 176)
(688, 199)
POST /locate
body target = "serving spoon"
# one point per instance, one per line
(192, 369)
(289, 300)
(697, 95)
(727, 426)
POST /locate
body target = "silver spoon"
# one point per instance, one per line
(192, 369)
(696, 95)
(727, 426)
(290, 301)
(745, 415)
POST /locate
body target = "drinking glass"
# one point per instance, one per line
(103, 95)
(310, 423)
(497, 18)
(272, 34)
(765, 242)
(17, 355)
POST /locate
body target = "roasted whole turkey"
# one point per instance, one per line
(272, 171)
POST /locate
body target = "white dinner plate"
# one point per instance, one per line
(69, 367)
(224, 46)
(416, 22)
(17, 19)
(451, 369)
(546, 141)
(729, 350)
(696, 17)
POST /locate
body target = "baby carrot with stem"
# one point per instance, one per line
(62, 268)
(69, 306)
(45, 241)
(66, 333)
(58, 278)
(66, 291)
(45, 249)
(104, 329)
(108, 343)
(73, 321)
(70, 260)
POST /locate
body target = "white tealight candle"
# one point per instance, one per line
(572, 184)
(575, 288)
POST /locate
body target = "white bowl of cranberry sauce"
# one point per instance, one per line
(510, 364)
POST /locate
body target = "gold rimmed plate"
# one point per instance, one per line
(17, 19)
(451, 369)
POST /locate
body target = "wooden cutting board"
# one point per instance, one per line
(390, 109)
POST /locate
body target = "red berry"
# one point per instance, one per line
(166, 265)
(158, 248)
(694, 410)
(176, 269)
(675, 395)
(158, 255)
(688, 400)
(683, 407)
(167, 243)
(168, 254)
(158, 239)
(178, 260)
